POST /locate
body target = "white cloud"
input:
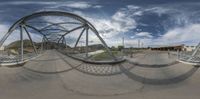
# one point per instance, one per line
(75, 4)
(97, 6)
(120, 22)
(15, 35)
(81, 5)
(132, 7)
(189, 35)
(158, 10)
(27, 2)
(53, 4)
(124, 20)
(181, 34)
(3, 29)
(138, 13)
(144, 35)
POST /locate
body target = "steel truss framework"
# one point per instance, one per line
(193, 58)
(59, 33)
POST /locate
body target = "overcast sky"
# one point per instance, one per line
(153, 22)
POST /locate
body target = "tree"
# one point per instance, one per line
(113, 48)
(120, 47)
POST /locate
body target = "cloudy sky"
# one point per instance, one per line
(153, 22)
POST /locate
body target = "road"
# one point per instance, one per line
(53, 75)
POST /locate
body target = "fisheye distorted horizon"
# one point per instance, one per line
(153, 23)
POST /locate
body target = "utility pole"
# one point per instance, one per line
(142, 44)
(123, 44)
(123, 41)
(138, 43)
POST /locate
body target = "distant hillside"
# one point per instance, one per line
(93, 47)
(27, 43)
(96, 46)
(17, 44)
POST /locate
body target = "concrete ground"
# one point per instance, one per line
(150, 75)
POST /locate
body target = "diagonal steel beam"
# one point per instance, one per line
(21, 44)
(104, 43)
(79, 38)
(71, 31)
(30, 39)
(29, 26)
(58, 24)
(195, 52)
(6, 36)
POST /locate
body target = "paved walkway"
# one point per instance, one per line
(56, 76)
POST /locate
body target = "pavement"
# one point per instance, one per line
(149, 75)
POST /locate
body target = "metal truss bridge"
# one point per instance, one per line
(54, 55)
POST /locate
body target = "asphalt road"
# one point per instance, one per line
(150, 75)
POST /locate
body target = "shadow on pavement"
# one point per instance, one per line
(152, 81)
(154, 65)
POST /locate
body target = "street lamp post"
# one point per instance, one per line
(123, 44)
(138, 43)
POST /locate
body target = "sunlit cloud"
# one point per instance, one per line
(179, 24)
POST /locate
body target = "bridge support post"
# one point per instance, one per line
(104, 43)
(178, 54)
(78, 39)
(21, 44)
(86, 50)
(63, 42)
(195, 52)
(42, 45)
(29, 36)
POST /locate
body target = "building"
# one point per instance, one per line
(189, 48)
(1, 48)
(169, 48)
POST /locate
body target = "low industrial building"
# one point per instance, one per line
(169, 48)
(181, 47)
(1, 48)
(189, 48)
